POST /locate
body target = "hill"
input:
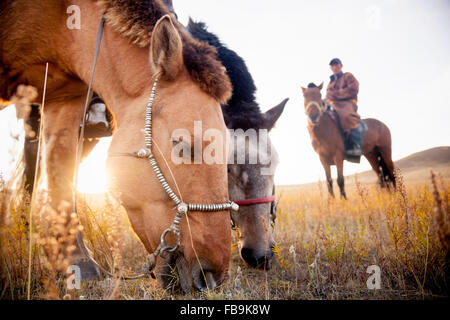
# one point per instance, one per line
(417, 166)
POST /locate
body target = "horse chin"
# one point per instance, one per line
(173, 275)
(166, 273)
(174, 272)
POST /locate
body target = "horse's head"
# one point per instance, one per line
(251, 184)
(183, 114)
(314, 106)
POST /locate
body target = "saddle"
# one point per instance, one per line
(348, 139)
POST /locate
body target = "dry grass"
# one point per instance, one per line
(324, 247)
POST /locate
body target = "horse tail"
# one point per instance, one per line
(387, 173)
(385, 157)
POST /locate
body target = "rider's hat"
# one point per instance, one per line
(335, 61)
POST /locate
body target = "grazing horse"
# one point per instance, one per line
(140, 42)
(246, 183)
(327, 141)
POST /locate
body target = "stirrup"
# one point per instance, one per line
(354, 159)
(354, 152)
(97, 125)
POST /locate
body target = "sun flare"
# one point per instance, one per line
(92, 176)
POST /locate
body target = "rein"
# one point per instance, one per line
(145, 153)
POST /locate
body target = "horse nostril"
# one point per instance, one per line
(257, 261)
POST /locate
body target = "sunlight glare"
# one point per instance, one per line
(92, 176)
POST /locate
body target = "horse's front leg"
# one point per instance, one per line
(326, 167)
(60, 138)
(340, 180)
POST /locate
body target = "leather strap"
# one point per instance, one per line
(248, 202)
(86, 105)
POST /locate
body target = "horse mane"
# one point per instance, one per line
(242, 111)
(135, 19)
(312, 85)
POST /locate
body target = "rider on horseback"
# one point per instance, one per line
(342, 95)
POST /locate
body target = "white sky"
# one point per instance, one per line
(397, 49)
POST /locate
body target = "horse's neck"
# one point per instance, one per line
(325, 131)
(123, 70)
(31, 33)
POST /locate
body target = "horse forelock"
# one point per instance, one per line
(135, 19)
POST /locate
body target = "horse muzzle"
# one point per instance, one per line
(256, 259)
(314, 119)
(197, 275)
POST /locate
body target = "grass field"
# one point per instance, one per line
(324, 247)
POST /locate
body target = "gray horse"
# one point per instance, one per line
(250, 182)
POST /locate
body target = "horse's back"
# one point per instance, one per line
(377, 135)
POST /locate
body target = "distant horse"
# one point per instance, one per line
(327, 141)
(246, 183)
(135, 48)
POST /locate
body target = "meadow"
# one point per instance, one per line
(324, 248)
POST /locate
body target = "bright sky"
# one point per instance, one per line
(397, 49)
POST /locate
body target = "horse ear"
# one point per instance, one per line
(166, 49)
(304, 90)
(271, 116)
(320, 86)
(169, 5)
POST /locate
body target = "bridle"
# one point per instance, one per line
(182, 207)
(252, 201)
(320, 106)
(146, 153)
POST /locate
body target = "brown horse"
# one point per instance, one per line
(327, 141)
(135, 48)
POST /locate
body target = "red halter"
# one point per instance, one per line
(269, 199)
(248, 202)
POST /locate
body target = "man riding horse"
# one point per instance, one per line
(342, 95)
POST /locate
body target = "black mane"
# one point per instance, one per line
(241, 111)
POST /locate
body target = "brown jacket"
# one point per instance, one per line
(342, 94)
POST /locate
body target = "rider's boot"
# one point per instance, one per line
(353, 150)
(97, 124)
